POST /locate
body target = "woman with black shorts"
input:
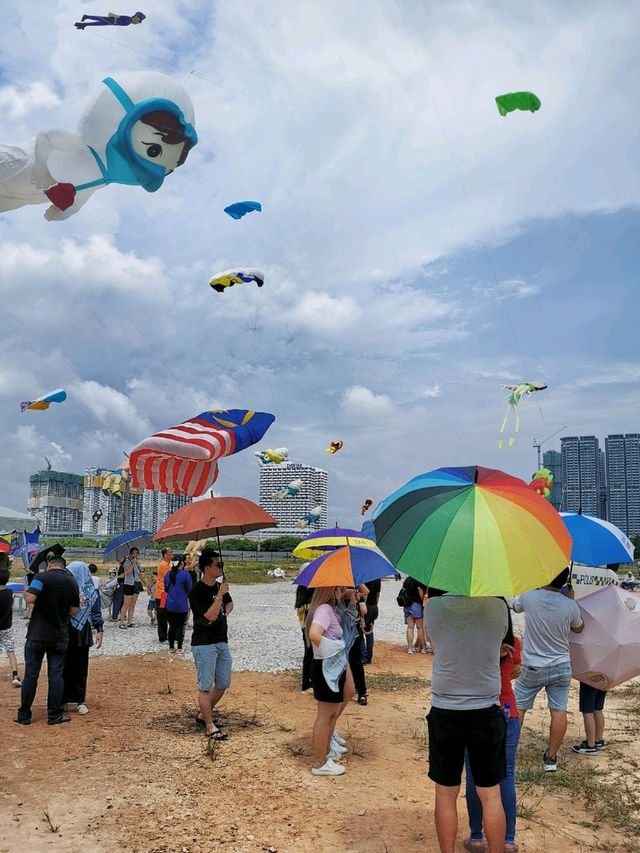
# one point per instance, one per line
(323, 630)
(132, 587)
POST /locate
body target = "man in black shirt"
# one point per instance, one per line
(211, 604)
(55, 596)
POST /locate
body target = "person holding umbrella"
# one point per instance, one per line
(211, 604)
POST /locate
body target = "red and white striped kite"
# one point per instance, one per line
(181, 460)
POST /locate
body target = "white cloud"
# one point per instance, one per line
(16, 102)
(433, 391)
(34, 446)
(324, 313)
(362, 403)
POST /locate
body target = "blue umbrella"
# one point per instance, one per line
(596, 542)
(121, 545)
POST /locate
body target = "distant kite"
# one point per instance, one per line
(517, 101)
(518, 393)
(542, 482)
(223, 280)
(42, 403)
(111, 19)
(288, 491)
(182, 460)
(277, 456)
(366, 506)
(334, 447)
(239, 208)
(310, 517)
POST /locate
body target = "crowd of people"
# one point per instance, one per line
(483, 679)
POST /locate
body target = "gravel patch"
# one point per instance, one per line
(264, 634)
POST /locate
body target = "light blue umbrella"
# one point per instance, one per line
(596, 542)
(121, 545)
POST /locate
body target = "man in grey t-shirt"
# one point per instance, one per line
(550, 618)
(467, 636)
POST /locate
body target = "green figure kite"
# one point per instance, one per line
(517, 101)
(518, 392)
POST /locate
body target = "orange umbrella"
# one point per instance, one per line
(214, 517)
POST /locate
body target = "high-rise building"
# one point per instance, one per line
(623, 481)
(581, 475)
(158, 506)
(106, 513)
(55, 499)
(552, 459)
(293, 508)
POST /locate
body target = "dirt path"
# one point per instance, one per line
(136, 774)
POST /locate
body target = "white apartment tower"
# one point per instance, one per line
(293, 508)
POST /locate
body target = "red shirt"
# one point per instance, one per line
(506, 668)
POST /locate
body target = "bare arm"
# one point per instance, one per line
(73, 611)
(579, 629)
(316, 633)
(30, 598)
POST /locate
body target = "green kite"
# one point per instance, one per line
(517, 101)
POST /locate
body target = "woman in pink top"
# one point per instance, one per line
(323, 630)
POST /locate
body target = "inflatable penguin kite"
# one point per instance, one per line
(136, 131)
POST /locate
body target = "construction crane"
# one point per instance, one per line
(538, 444)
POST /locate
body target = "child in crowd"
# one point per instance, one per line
(152, 605)
(94, 574)
(6, 625)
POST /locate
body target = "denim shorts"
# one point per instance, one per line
(213, 666)
(555, 679)
(414, 610)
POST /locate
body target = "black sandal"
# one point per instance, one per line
(362, 700)
(217, 734)
(200, 722)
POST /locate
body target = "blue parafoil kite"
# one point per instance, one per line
(310, 517)
(136, 131)
(239, 208)
(45, 401)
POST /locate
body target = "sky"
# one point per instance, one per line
(419, 249)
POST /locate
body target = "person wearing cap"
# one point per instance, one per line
(111, 19)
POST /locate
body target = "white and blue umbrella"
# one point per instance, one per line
(121, 545)
(596, 542)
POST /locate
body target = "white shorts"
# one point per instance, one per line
(7, 641)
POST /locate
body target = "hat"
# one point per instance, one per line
(112, 571)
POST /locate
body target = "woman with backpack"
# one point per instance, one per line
(410, 598)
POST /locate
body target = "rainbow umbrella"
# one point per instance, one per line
(329, 539)
(347, 566)
(472, 531)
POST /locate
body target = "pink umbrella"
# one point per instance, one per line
(607, 652)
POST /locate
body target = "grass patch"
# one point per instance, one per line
(249, 572)
(388, 682)
(615, 802)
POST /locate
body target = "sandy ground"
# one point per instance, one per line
(136, 773)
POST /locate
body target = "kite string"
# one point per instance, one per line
(467, 199)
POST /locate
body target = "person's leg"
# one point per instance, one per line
(474, 806)
(181, 623)
(322, 730)
(33, 657)
(223, 674)
(590, 729)
(116, 603)
(557, 731)
(348, 692)
(410, 624)
(370, 644)
(493, 817)
(56, 653)
(446, 816)
(132, 608)
(13, 663)
(162, 623)
(420, 644)
(306, 663)
(357, 669)
(508, 785)
(124, 609)
(598, 717)
(173, 626)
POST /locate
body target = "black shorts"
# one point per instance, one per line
(591, 699)
(128, 590)
(482, 732)
(321, 690)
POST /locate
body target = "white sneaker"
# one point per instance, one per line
(338, 738)
(332, 755)
(409, 651)
(334, 746)
(328, 769)
(82, 709)
(16, 681)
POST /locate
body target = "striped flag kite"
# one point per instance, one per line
(182, 460)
